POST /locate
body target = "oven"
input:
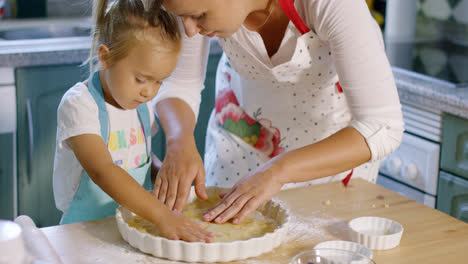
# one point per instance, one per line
(413, 169)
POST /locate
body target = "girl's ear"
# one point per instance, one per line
(104, 56)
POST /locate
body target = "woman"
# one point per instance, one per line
(281, 116)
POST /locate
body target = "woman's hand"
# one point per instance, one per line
(155, 167)
(181, 166)
(246, 195)
(176, 226)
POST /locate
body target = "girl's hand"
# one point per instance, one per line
(246, 196)
(176, 226)
(181, 166)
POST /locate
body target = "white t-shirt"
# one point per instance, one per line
(359, 59)
(78, 114)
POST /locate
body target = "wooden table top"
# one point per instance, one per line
(319, 213)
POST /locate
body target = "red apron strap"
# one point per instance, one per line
(338, 87)
(290, 10)
(348, 177)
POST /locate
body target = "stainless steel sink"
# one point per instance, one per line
(44, 32)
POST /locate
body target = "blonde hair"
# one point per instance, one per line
(122, 24)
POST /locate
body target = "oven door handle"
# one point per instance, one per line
(31, 139)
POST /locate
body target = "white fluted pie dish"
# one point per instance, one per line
(207, 252)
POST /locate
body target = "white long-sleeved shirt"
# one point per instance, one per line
(359, 57)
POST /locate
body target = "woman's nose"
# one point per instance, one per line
(191, 27)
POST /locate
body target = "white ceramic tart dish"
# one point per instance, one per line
(375, 232)
(345, 245)
(207, 252)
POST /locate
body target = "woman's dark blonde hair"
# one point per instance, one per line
(121, 24)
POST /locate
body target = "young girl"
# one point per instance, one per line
(105, 124)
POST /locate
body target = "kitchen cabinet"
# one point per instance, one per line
(455, 145)
(39, 91)
(453, 196)
(7, 192)
(207, 104)
(453, 180)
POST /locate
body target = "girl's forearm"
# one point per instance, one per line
(342, 151)
(129, 193)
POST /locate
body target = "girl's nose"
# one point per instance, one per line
(148, 92)
(191, 27)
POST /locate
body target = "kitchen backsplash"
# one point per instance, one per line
(441, 46)
(46, 8)
(67, 8)
(438, 19)
(8, 7)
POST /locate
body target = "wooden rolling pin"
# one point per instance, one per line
(36, 242)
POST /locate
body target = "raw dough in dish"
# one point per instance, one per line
(256, 225)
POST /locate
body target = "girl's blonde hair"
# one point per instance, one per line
(121, 24)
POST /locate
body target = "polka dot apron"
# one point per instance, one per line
(262, 111)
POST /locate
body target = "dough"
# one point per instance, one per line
(256, 225)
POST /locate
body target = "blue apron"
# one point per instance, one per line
(90, 202)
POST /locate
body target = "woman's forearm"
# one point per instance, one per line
(342, 151)
(182, 165)
(176, 118)
(155, 167)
